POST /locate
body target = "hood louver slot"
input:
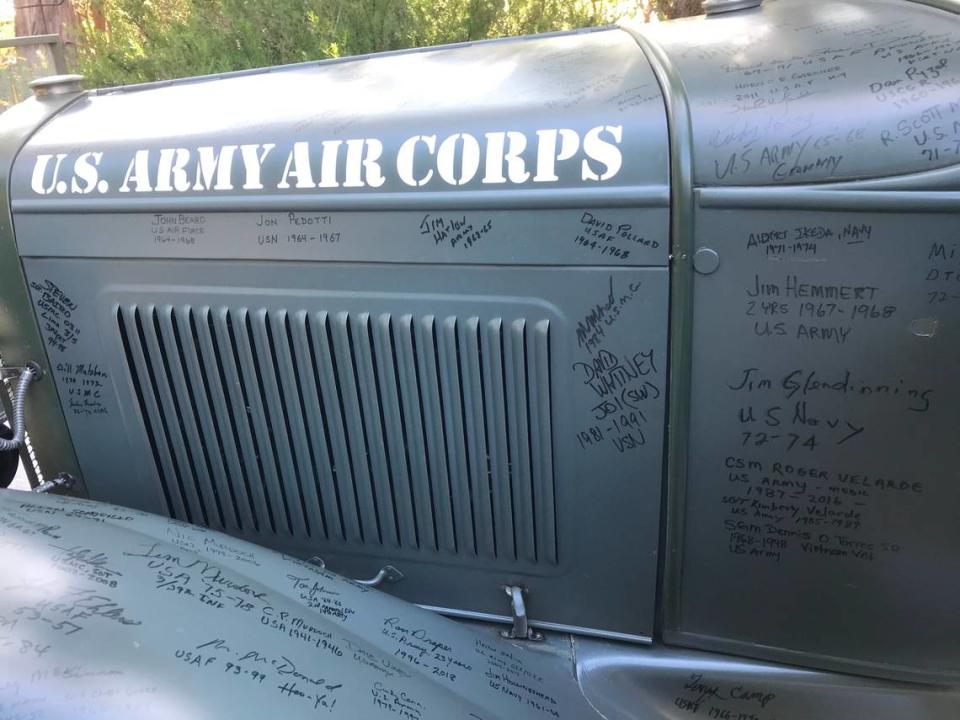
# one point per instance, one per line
(414, 432)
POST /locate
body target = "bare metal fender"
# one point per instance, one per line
(107, 612)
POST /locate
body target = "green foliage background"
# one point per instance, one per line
(128, 41)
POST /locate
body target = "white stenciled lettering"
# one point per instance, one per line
(505, 148)
(138, 172)
(602, 151)
(498, 157)
(85, 175)
(406, 160)
(461, 150)
(330, 153)
(297, 167)
(40, 173)
(214, 168)
(363, 163)
(253, 157)
(171, 170)
(548, 154)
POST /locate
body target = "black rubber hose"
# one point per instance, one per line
(9, 459)
(16, 421)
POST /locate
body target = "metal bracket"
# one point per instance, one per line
(63, 481)
(386, 574)
(521, 629)
(18, 370)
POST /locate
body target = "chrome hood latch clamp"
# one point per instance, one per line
(521, 629)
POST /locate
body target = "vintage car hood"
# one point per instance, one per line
(799, 92)
(107, 612)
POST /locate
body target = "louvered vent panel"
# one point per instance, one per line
(405, 431)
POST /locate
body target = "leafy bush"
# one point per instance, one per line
(128, 41)
(156, 39)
